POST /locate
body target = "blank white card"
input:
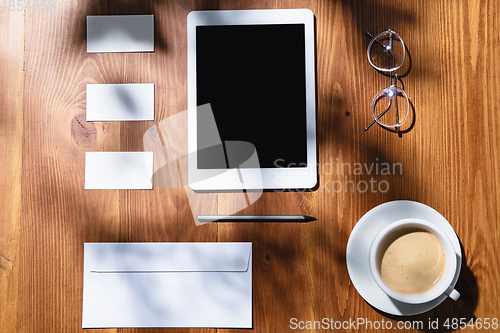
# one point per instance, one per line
(120, 102)
(119, 170)
(120, 33)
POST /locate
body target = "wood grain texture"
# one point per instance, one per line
(448, 158)
(11, 134)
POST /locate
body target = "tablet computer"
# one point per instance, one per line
(251, 83)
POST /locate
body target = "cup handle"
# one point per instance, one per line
(452, 293)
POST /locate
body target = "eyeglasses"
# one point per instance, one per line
(390, 106)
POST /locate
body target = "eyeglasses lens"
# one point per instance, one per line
(390, 107)
(387, 51)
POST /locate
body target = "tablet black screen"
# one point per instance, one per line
(254, 78)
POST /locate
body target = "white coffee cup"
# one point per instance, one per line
(442, 286)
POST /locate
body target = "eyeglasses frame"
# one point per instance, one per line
(393, 77)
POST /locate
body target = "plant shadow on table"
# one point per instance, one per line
(274, 255)
(446, 316)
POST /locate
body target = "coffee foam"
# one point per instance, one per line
(411, 261)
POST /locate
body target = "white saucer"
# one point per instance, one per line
(358, 246)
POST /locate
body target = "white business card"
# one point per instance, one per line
(119, 170)
(120, 102)
(120, 33)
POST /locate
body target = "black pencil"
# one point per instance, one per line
(255, 218)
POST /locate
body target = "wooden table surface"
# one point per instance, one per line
(449, 157)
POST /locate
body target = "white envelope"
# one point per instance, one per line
(167, 285)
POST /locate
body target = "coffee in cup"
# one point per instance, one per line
(414, 261)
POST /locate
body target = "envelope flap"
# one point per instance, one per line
(166, 257)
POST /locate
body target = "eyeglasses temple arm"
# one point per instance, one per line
(395, 96)
(378, 117)
(373, 37)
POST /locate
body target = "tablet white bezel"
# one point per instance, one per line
(254, 178)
